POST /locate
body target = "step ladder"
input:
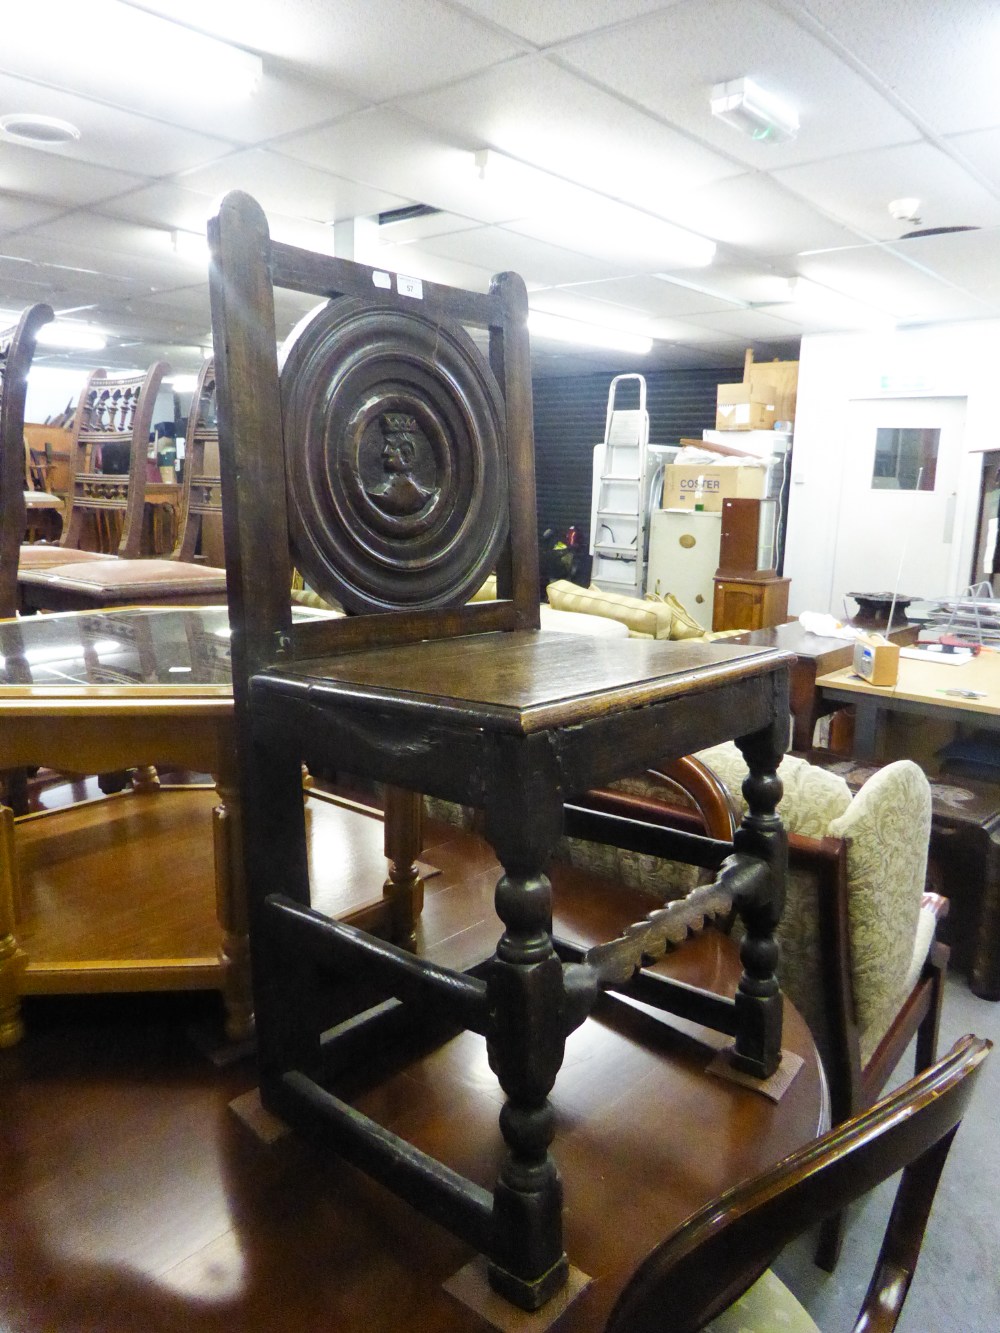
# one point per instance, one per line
(617, 520)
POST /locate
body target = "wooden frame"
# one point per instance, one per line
(17, 347)
(721, 1250)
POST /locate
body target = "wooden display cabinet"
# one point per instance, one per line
(750, 601)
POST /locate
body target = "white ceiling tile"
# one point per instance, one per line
(940, 59)
(389, 151)
(378, 51)
(748, 324)
(109, 136)
(555, 20)
(858, 188)
(547, 116)
(415, 261)
(754, 213)
(875, 276)
(981, 149)
(499, 248)
(406, 231)
(283, 185)
(165, 205)
(576, 303)
(17, 211)
(59, 180)
(650, 296)
(670, 61)
(970, 260)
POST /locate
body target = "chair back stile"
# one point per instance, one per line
(113, 409)
(201, 492)
(17, 346)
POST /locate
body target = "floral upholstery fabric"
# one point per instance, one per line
(887, 830)
(768, 1307)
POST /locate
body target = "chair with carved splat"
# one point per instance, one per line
(17, 347)
(390, 461)
(116, 414)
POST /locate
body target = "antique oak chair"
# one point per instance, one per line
(391, 462)
(707, 1274)
(66, 579)
(17, 347)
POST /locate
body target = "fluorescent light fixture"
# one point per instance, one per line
(560, 212)
(157, 57)
(543, 325)
(66, 333)
(753, 110)
(182, 383)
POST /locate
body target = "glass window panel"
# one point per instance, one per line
(905, 458)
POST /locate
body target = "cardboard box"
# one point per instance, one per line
(745, 406)
(680, 484)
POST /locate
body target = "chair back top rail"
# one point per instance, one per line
(17, 347)
(721, 1250)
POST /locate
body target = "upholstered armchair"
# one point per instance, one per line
(859, 955)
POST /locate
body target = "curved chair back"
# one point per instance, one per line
(17, 347)
(719, 1252)
(201, 490)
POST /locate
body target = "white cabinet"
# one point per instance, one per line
(683, 558)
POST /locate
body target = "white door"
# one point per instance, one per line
(904, 500)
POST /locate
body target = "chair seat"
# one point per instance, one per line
(42, 500)
(115, 579)
(36, 555)
(522, 682)
(768, 1307)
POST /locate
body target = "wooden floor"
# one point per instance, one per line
(133, 1199)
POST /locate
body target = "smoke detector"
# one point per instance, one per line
(905, 210)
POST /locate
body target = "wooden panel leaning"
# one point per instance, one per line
(17, 347)
(391, 462)
(708, 1264)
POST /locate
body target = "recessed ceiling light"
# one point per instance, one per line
(37, 131)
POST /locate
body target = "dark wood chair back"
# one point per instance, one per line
(113, 416)
(412, 475)
(17, 347)
(201, 487)
(719, 1252)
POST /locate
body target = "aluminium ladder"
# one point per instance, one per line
(618, 519)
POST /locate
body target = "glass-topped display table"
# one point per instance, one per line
(144, 891)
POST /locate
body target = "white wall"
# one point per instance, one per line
(961, 360)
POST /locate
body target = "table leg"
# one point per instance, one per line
(12, 960)
(231, 908)
(866, 713)
(403, 839)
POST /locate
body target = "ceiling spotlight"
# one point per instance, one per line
(758, 113)
(37, 131)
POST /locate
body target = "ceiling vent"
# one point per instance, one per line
(37, 131)
(935, 231)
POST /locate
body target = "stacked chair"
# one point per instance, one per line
(114, 415)
(17, 347)
(390, 461)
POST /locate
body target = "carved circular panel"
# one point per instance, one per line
(396, 457)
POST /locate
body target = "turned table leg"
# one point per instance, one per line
(404, 888)
(12, 960)
(231, 909)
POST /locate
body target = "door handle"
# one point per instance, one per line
(949, 518)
